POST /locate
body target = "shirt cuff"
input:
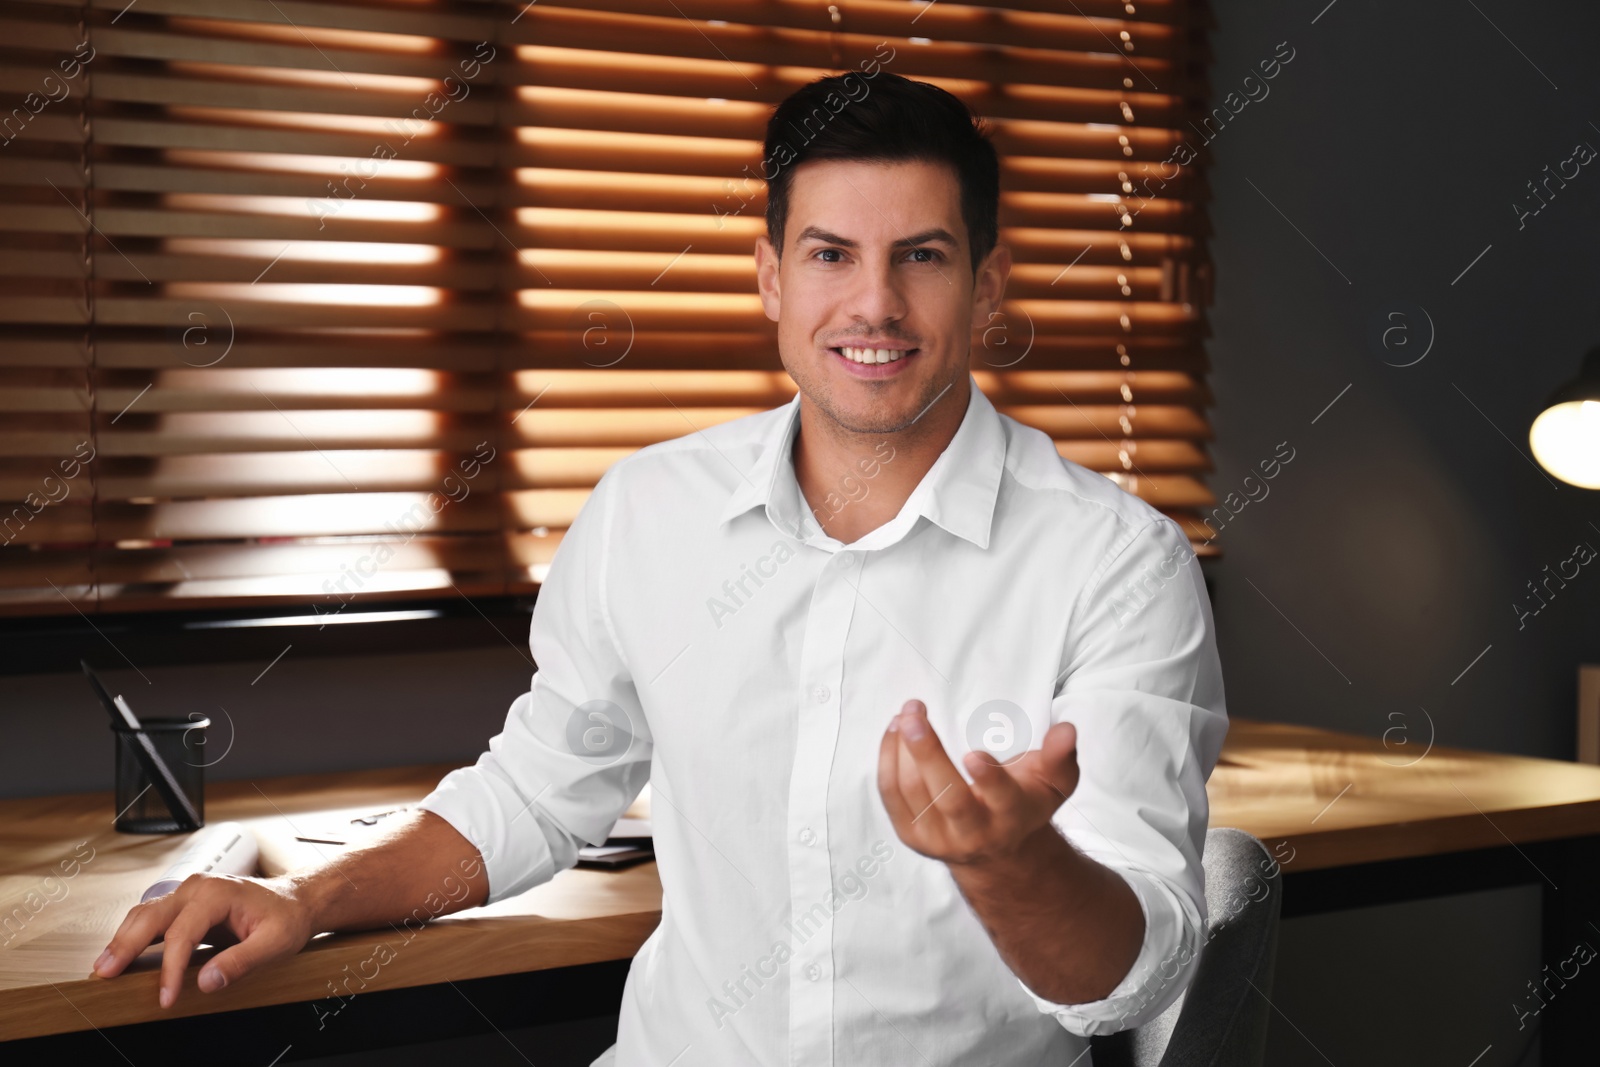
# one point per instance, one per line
(1158, 976)
(521, 847)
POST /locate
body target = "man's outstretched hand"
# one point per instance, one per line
(262, 918)
(938, 814)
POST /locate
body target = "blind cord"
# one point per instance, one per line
(92, 369)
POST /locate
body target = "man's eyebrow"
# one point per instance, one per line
(936, 233)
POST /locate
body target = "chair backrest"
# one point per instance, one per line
(1221, 1018)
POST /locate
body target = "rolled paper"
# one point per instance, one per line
(222, 848)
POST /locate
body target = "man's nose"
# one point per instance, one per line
(876, 295)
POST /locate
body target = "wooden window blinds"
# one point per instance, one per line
(356, 300)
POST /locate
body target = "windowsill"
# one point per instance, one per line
(159, 639)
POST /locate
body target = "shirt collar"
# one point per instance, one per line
(958, 493)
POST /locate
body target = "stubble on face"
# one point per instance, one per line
(879, 420)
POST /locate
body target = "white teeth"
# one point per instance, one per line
(872, 355)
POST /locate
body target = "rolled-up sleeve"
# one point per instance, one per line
(1143, 686)
(575, 749)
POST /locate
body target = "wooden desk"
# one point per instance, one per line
(1341, 799)
(580, 916)
(1330, 806)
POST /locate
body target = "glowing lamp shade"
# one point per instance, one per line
(1566, 435)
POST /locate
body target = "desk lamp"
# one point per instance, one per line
(1566, 435)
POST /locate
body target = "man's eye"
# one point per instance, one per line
(932, 254)
(828, 252)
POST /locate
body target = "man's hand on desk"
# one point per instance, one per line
(265, 916)
(938, 814)
(389, 879)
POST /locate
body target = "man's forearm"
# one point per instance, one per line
(1069, 927)
(417, 871)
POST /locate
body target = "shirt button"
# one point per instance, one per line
(820, 694)
(808, 836)
(814, 972)
(844, 559)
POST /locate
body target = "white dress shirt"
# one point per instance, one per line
(699, 631)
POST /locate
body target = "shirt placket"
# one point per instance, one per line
(811, 992)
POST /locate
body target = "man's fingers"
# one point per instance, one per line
(928, 769)
(263, 943)
(1060, 752)
(894, 802)
(994, 784)
(247, 920)
(912, 784)
(140, 927)
(186, 931)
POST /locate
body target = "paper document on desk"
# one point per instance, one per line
(629, 842)
(342, 826)
(614, 855)
(630, 830)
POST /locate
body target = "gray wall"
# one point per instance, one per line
(1394, 145)
(305, 714)
(1386, 156)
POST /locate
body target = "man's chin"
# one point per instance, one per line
(878, 415)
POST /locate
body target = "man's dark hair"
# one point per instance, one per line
(883, 119)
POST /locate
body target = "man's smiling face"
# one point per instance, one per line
(876, 257)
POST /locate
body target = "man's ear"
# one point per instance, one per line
(989, 287)
(767, 277)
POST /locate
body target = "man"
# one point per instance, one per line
(855, 644)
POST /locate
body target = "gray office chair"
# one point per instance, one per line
(1220, 1020)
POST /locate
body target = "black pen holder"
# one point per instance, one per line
(181, 745)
